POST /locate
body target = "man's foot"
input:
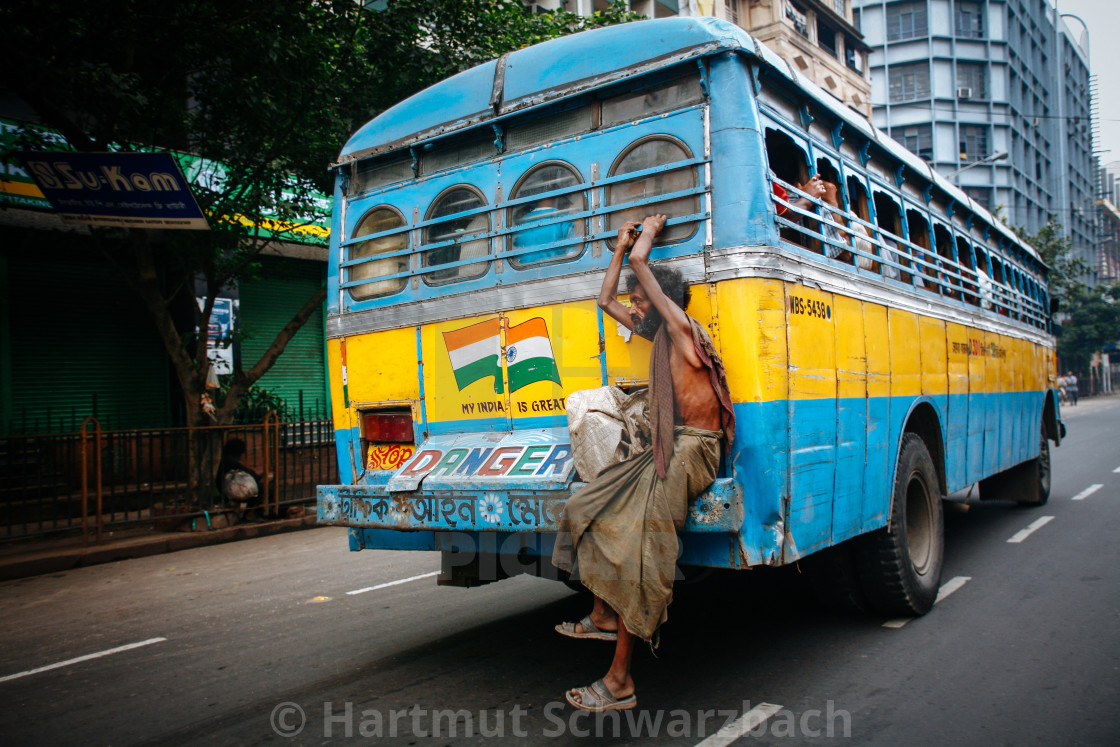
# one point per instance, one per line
(597, 698)
(585, 628)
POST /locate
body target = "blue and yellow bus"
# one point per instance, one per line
(883, 351)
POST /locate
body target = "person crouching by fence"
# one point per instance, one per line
(239, 486)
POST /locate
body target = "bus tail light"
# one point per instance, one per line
(387, 427)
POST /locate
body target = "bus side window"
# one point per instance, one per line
(1000, 286)
(660, 150)
(790, 164)
(865, 250)
(888, 219)
(968, 270)
(456, 233)
(376, 221)
(836, 243)
(547, 216)
(983, 277)
(943, 239)
(924, 264)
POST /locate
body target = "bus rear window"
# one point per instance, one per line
(456, 236)
(378, 220)
(648, 154)
(547, 220)
(665, 97)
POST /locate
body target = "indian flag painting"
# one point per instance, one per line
(529, 355)
(476, 352)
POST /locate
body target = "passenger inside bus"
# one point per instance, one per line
(857, 198)
(887, 217)
(789, 171)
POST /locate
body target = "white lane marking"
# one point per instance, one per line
(946, 589)
(1022, 534)
(87, 657)
(393, 583)
(1115, 471)
(1087, 492)
(740, 726)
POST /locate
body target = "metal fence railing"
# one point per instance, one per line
(90, 479)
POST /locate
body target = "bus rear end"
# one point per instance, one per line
(472, 226)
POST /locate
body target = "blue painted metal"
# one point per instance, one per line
(719, 509)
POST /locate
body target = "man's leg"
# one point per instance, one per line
(617, 679)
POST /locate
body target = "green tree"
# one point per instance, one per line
(1088, 317)
(268, 89)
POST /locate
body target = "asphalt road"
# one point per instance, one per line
(253, 641)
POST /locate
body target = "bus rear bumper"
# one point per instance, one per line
(717, 509)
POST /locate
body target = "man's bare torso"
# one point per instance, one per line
(695, 403)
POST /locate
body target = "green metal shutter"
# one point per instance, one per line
(267, 304)
(81, 344)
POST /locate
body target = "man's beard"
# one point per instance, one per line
(648, 327)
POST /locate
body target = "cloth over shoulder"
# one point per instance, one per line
(661, 409)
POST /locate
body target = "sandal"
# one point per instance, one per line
(596, 698)
(589, 630)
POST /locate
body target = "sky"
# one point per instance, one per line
(1103, 19)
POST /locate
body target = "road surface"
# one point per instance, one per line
(293, 639)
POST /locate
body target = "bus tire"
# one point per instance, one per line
(900, 564)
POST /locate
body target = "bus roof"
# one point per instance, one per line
(531, 75)
(569, 64)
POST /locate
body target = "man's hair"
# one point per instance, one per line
(234, 449)
(671, 281)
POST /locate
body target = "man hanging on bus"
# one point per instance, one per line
(618, 535)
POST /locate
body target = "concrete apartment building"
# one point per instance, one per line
(959, 82)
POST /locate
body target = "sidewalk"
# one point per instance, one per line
(33, 557)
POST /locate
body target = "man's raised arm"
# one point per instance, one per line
(608, 294)
(672, 315)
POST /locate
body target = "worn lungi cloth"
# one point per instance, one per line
(618, 535)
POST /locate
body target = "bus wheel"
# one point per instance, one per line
(900, 564)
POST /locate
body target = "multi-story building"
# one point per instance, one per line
(817, 36)
(962, 82)
(1108, 209)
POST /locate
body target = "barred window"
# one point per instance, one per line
(460, 206)
(970, 20)
(909, 82)
(378, 220)
(973, 78)
(918, 139)
(906, 21)
(642, 156)
(546, 220)
(974, 142)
